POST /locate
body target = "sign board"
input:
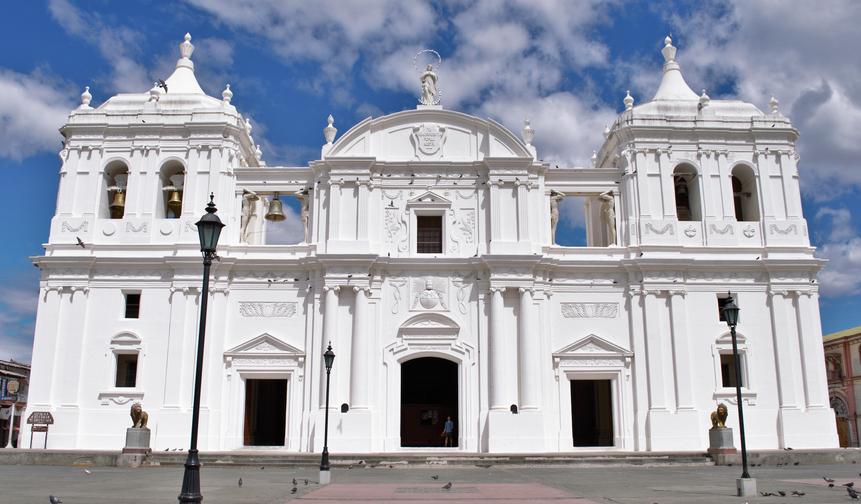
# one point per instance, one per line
(40, 428)
(12, 387)
(40, 417)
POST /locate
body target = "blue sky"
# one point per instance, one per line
(566, 65)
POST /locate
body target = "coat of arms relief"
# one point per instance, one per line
(428, 140)
(429, 294)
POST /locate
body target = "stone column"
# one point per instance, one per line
(725, 184)
(496, 362)
(360, 369)
(363, 210)
(655, 352)
(334, 209)
(681, 351)
(528, 351)
(781, 333)
(495, 207)
(330, 328)
(522, 210)
(812, 352)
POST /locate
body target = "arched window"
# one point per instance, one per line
(172, 182)
(116, 179)
(744, 197)
(687, 193)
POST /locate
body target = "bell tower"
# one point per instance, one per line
(703, 172)
(139, 168)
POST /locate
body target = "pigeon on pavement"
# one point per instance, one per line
(240, 482)
(850, 484)
(447, 486)
(293, 490)
(852, 493)
(827, 479)
(435, 477)
(798, 494)
(54, 500)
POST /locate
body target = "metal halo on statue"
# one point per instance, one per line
(438, 65)
(423, 51)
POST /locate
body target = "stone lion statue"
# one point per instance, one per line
(141, 417)
(719, 417)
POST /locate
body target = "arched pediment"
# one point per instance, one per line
(126, 338)
(429, 135)
(429, 325)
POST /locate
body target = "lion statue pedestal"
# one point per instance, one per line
(137, 438)
(720, 436)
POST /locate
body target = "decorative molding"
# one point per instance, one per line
(119, 397)
(590, 310)
(397, 295)
(396, 228)
(664, 229)
(749, 231)
(267, 309)
(721, 231)
(67, 227)
(141, 228)
(775, 229)
(690, 231)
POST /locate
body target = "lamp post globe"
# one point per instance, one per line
(328, 359)
(209, 229)
(730, 313)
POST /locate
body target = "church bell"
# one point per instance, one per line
(118, 205)
(174, 202)
(276, 210)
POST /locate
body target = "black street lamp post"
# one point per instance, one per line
(328, 359)
(209, 228)
(730, 312)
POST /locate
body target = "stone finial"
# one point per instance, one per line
(227, 94)
(669, 51)
(528, 132)
(628, 101)
(258, 153)
(248, 126)
(704, 100)
(330, 130)
(773, 104)
(594, 158)
(186, 48)
(154, 92)
(606, 131)
(86, 98)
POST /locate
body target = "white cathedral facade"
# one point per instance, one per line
(429, 262)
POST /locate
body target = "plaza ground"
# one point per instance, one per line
(665, 484)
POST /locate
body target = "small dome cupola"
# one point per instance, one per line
(673, 85)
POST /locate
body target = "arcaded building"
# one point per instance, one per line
(429, 263)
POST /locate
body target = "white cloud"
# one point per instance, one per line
(116, 43)
(803, 54)
(567, 127)
(32, 108)
(842, 247)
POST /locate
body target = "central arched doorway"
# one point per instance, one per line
(428, 396)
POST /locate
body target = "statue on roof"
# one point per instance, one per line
(430, 93)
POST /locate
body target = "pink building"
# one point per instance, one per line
(843, 367)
